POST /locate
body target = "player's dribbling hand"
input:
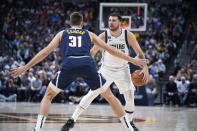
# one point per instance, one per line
(144, 68)
(146, 73)
(15, 72)
(140, 62)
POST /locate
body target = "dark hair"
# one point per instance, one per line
(76, 18)
(116, 15)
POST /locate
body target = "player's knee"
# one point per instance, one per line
(50, 94)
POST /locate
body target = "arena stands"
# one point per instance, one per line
(27, 29)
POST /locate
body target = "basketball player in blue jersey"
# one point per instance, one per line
(116, 70)
(75, 44)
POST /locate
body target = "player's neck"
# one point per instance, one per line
(116, 33)
(76, 27)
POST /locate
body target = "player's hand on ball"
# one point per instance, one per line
(137, 78)
(145, 73)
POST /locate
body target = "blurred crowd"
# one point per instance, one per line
(163, 36)
(181, 88)
(27, 30)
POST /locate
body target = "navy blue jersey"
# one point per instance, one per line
(76, 60)
(75, 42)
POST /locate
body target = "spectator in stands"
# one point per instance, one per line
(171, 92)
(31, 77)
(182, 89)
(1, 82)
(17, 82)
(151, 90)
(194, 53)
(78, 89)
(45, 81)
(181, 73)
(192, 95)
(192, 33)
(24, 87)
(161, 68)
(9, 92)
(154, 70)
(35, 88)
(177, 68)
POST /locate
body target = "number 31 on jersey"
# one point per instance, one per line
(75, 41)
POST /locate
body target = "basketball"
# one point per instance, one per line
(137, 78)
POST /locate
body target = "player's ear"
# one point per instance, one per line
(70, 24)
(120, 23)
(81, 24)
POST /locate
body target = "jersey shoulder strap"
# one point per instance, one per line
(126, 40)
(106, 36)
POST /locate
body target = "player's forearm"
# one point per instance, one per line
(113, 51)
(36, 59)
(93, 53)
(94, 50)
(141, 56)
(46, 51)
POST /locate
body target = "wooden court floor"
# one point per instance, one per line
(22, 117)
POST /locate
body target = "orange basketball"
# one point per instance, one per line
(137, 78)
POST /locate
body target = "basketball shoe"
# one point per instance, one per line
(69, 124)
(134, 127)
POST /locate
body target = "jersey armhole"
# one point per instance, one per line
(105, 36)
(63, 37)
(131, 51)
(126, 40)
(88, 35)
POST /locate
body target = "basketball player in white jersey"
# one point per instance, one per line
(115, 70)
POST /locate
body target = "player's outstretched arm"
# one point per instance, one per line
(140, 54)
(96, 48)
(39, 56)
(113, 51)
